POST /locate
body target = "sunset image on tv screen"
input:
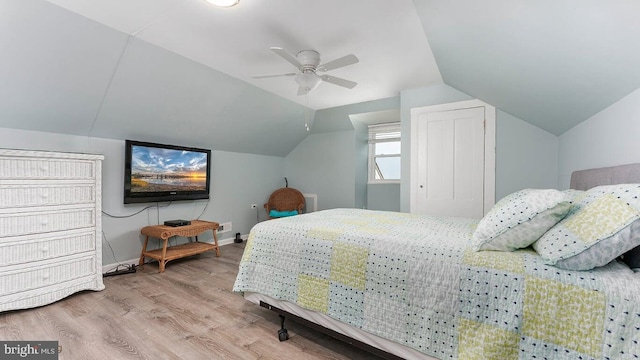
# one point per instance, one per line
(155, 169)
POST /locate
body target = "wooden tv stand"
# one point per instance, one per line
(168, 253)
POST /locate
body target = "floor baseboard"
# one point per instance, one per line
(109, 267)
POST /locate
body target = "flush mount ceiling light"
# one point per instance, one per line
(223, 3)
(307, 81)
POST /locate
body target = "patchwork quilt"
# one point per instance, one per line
(414, 279)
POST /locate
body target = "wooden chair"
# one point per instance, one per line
(285, 199)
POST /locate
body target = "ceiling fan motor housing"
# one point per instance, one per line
(309, 59)
(307, 79)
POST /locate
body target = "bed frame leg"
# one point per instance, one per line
(283, 334)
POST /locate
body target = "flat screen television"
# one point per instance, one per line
(157, 172)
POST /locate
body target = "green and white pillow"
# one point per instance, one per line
(599, 228)
(574, 195)
(519, 219)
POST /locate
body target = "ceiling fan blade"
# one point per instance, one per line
(287, 56)
(303, 90)
(272, 76)
(338, 63)
(339, 81)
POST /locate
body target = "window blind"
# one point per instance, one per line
(384, 132)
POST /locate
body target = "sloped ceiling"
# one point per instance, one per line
(386, 36)
(180, 71)
(68, 74)
(552, 63)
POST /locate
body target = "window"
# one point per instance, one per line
(384, 153)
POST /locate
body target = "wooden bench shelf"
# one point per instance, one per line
(168, 253)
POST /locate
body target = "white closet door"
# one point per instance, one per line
(449, 178)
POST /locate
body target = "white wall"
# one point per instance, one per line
(610, 137)
(238, 180)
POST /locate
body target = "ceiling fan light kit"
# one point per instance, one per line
(308, 63)
(223, 3)
(307, 81)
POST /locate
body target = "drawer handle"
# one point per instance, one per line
(44, 222)
(45, 276)
(44, 249)
(44, 195)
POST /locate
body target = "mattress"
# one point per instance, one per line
(413, 280)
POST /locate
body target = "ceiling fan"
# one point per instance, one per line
(308, 63)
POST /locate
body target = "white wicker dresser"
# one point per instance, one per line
(50, 226)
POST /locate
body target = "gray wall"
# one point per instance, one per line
(526, 156)
(606, 139)
(239, 180)
(383, 197)
(324, 164)
(332, 161)
(65, 73)
(332, 164)
(361, 166)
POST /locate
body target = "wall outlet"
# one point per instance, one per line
(225, 227)
(254, 206)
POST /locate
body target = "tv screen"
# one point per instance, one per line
(157, 172)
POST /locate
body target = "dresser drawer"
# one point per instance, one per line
(51, 273)
(25, 249)
(43, 194)
(16, 223)
(35, 168)
(48, 294)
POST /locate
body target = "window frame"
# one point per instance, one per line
(381, 133)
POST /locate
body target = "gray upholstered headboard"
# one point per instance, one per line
(621, 174)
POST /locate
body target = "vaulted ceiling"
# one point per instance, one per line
(553, 63)
(182, 70)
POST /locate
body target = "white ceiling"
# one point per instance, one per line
(386, 36)
(180, 71)
(553, 63)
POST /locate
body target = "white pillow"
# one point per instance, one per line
(519, 219)
(603, 225)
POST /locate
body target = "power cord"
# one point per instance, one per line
(120, 268)
(126, 268)
(135, 213)
(203, 210)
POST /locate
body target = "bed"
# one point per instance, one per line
(523, 282)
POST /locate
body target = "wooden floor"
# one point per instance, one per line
(188, 312)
